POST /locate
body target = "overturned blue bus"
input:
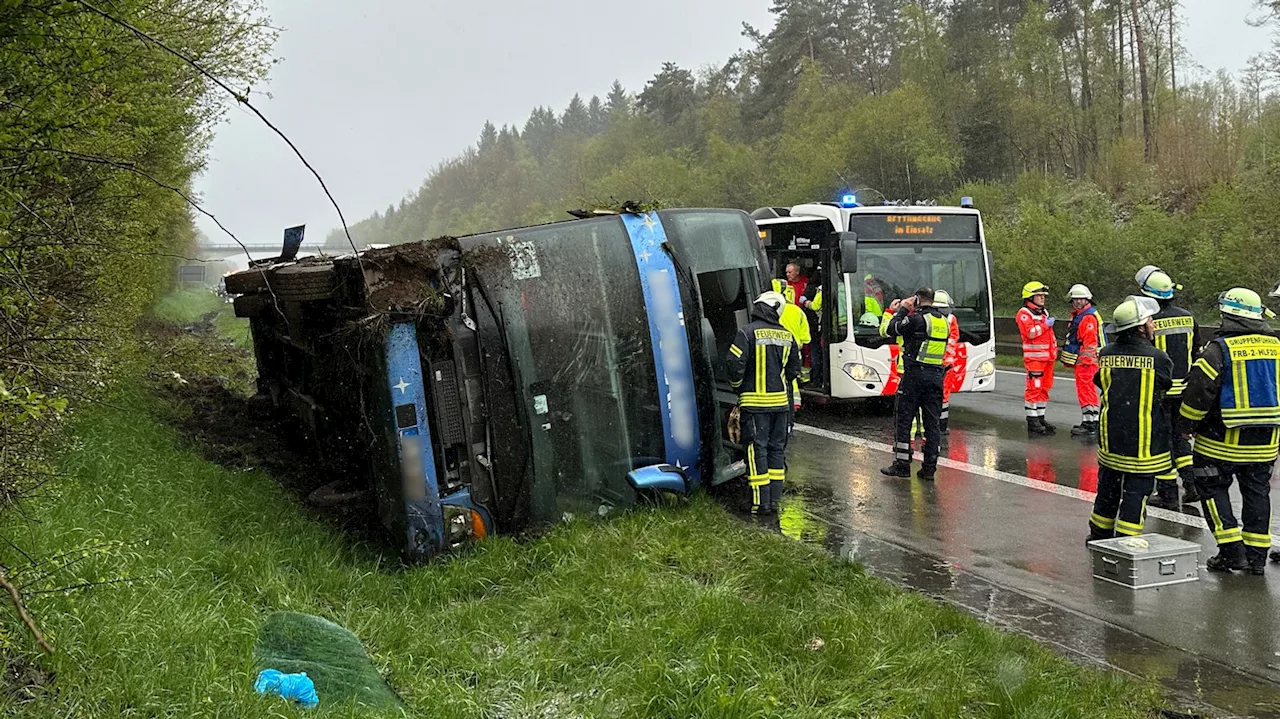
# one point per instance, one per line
(497, 381)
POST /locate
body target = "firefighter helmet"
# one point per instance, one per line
(1031, 289)
(773, 299)
(1079, 292)
(941, 299)
(1156, 283)
(1242, 302)
(1134, 312)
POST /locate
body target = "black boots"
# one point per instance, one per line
(1166, 495)
(897, 469)
(927, 473)
(1037, 425)
(1230, 557)
(1085, 429)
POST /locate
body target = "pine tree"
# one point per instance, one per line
(576, 120)
(596, 114)
(488, 136)
(669, 95)
(618, 102)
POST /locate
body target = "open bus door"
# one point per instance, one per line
(814, 246)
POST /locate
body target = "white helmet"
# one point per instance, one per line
(941, 299)
(1134, 312)
(1156, 283)
(1079, 292)
(773, 299)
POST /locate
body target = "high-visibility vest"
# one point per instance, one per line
(933, 350)
(785, 289)
(1071, 351)
(1250, 395)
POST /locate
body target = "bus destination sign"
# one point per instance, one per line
(915, 226)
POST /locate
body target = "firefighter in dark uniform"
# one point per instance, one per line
(1176, 334)
(1232, 404)
(763, 363)
(1134, 439)
(924, 332)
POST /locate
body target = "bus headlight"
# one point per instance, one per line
(986, 369)
(861, 373)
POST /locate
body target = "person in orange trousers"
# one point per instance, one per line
(1039, 350)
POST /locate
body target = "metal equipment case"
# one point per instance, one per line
(1149, 560)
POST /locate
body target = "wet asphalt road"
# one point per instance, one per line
(1001, 533)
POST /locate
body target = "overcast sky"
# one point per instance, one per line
(377, 92)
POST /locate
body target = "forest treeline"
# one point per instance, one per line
(1090, 138)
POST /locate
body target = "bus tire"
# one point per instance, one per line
(303, 282)
(246, 282)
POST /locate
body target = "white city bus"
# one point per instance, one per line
(874, 255)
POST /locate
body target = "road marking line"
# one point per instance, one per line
(1056, 377)
(1058, 489)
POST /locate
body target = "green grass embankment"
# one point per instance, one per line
(682, 611)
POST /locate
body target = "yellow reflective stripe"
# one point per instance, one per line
(1129, 528)
(1240, 380)
(735, 350)
(1232, 452)
(1182, 462)
(1104, 418)
(782, 371)
(1134, 465)
(1192, 413)
(777, 474)
(735, 384)
(1257, 540)
(1146, 397)
(1101, 521)
(1215, 518)
(764, 403)
(1204, 366)
(761, 360)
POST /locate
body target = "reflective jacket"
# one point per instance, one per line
(785, 289)
(763, 361)
(1231, 399)
(953, 341)
(1039, 346)
(1176, 333)
(795, 320)
(1134, 427)
(924, 336)
(1084, 338)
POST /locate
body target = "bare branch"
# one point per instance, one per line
(16, 598)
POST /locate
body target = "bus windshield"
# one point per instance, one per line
(889, 271)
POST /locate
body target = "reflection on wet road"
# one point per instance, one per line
(1001, 533)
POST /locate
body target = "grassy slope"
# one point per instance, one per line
(682, 612)
(678, 612)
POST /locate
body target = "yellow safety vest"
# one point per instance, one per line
(933, 350)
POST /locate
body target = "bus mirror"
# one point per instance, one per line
(848, 251)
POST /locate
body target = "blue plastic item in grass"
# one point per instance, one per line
(295, 687)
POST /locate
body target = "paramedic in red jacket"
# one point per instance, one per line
(1039, 350)
(1084, 339)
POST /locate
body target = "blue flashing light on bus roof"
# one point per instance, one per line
(966, 202)
(849, 200)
